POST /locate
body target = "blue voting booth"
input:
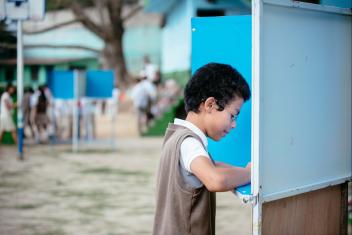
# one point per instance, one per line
(94, 84)
(296, 129)
(99, 84)
(73, 85)
(61, 84)
(229, 44)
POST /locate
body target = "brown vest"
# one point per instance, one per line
(181, 208)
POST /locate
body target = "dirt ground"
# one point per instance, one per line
(95, 191)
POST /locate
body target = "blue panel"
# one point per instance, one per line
(337, 3)
(245, 189)
(99, 84)
(227, 40)
(61, 84)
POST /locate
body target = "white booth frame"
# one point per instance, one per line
(257, 36)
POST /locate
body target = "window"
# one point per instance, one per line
(10, 73)
(334, 3)
(311, 1)
(35, 73)
(77, 67)
(210, 12)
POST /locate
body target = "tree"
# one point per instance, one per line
(109, 27)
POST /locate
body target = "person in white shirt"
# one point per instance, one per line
(149, 69)
(143, 95)
(6, 107)
(113, 102)
(88, 117)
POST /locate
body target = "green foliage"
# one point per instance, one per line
(181, 77)
(159, 126)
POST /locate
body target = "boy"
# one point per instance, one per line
(188, 177)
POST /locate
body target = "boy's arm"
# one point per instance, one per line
(219, 178)
(222, 164)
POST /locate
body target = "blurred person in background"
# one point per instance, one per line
(59, 118)
(26, 106)
(51, 127)
(41, 118)
(33, 103)
(168, 94)
(6, 108)
(150, 70)
(88, 107)
(113, 102)
(63, 118)
(143, 95)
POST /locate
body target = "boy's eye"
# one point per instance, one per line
(234, 117)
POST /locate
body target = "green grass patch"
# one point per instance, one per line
(27, 206)
(114, 171)
(11, 174)
(7, 184)
(90, 195)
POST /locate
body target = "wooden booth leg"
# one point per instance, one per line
(318, 212)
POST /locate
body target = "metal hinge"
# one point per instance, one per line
(253, 199)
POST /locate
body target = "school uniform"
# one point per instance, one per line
(184, 204)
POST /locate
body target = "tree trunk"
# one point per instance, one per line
(114, 59)
(114, 43)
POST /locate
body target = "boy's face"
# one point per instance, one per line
(219, 123)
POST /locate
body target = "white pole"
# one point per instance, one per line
(255, 147)
(75, 118)
(113, 123)
(20, 87)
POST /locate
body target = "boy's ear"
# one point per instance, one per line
(209, 104)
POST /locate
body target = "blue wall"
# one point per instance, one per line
(227, 40)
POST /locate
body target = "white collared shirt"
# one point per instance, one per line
(191, 148)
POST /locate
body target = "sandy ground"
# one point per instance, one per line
(95, 191)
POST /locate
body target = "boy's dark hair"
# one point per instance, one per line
(220, 81)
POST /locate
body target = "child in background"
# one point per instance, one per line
(6, 108)
(188, 177)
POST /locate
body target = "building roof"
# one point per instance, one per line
(163, 7)
(46, 61)
(160, 6)
(72, 34)
(56, 17)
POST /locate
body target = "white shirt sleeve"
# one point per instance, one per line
(191, 148)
